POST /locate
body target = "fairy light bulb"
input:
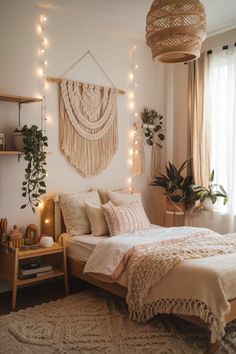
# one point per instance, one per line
(131, 76)
(46, 221)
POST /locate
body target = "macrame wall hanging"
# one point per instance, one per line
(88, 123)
(138, 149)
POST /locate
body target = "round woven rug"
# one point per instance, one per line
(98, 323)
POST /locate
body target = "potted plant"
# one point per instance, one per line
(35, 173)
(153, 123)
(18, 139)
(208, 196)
(177, 188)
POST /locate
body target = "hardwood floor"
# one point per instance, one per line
(40, 293)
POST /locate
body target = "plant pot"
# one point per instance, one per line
(207, 204)
(18, 141)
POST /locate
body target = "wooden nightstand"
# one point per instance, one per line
(10, 259)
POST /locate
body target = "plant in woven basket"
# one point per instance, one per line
(177, 188)
(35, 172)
(152, 118)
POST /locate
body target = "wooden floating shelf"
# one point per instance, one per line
(19, 99)
(10, 152)
(54, 274)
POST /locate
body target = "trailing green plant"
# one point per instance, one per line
(213, 191)
(35, 172)
(176, 187)
(152, 118)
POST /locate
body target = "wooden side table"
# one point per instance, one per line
(10, 259)
(173, 209)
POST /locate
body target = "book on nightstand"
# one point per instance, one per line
(34, 269)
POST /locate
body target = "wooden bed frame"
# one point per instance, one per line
(75, 268)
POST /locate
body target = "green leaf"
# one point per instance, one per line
(23, 206)
(212, 176)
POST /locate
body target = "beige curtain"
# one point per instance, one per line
(199, 134)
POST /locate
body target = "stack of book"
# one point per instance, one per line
(33, 271)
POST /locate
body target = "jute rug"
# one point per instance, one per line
(98, 323)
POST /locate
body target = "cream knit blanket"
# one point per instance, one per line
(151, 263)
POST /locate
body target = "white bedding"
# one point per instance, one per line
(80, 248)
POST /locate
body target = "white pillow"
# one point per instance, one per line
(118, 198)
(97, 221)
(74, 211)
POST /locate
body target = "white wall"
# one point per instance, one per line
(69, 36)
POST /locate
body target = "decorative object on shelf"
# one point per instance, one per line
(15, 238)
(2, 142)
(175, 30)
(3, 230)
(32, 234)
(208, 196)
(46, 241)
(153, 123)
(18, 139)
(138, 150)
(177, 188)
(34, 186)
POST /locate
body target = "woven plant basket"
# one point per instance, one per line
(175, 30)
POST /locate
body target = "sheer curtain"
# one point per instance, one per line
(220, 110)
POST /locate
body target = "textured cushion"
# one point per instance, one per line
(125, 218)
(74, 211)
(119, 198)
(97, 221)
(104, 194)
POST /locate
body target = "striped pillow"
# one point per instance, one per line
(125, 218)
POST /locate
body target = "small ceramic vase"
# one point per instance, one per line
(46, 241)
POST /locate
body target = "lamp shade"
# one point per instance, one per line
(175, 30)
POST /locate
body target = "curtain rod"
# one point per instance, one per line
(225, 47)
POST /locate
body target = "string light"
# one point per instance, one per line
(42, 69)
(133, 114)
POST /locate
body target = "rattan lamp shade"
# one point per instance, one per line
(175, 30)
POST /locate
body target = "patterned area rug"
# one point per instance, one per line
(98, 323)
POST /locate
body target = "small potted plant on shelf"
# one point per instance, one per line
(34, 144)
(18, 139)
(208, 196)
(153, 123)
(177, 188)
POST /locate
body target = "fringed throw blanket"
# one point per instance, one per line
(151, 263)
(88, 126)
(171, 270)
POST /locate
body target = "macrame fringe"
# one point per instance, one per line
(181, 307)
(156, 158)
(87, 149)
(89, 157)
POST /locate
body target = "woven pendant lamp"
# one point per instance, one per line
(175, 30)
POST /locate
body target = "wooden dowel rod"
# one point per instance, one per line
(58, 80)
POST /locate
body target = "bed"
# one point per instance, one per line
(80, 248)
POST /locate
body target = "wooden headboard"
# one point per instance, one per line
(52, 223)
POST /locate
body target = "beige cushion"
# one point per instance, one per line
(74, 211)
(97, 221)
(119, 198)
(104, 194)
(125, 218)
